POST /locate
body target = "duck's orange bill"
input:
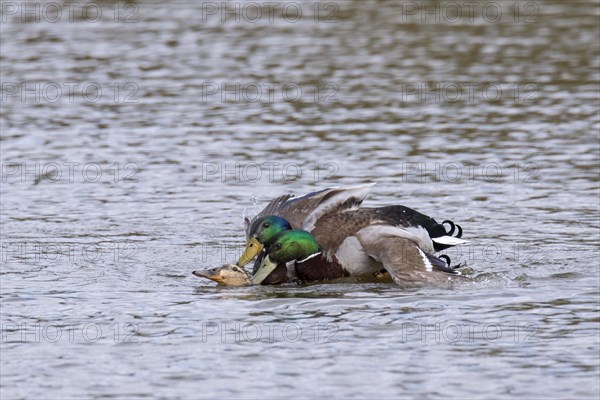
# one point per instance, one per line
(209, 274)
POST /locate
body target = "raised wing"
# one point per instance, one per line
(303, 212)
(273, 208)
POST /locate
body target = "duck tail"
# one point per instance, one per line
(449, 239)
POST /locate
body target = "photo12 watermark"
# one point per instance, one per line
(469, 12)
(250, 332)
(69, 92)
(59, 332)
(458, 172)
(49, 92)
(52, 12)
(38, 252)
(268, 92)
(432, 92)
(56, 172)
(269, 172)
(475, 253)
(468, 332)
(269, 12)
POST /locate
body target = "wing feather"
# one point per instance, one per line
(407, 264)
(303, 212)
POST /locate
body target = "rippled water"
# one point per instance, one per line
(129, 157)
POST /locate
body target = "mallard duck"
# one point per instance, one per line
(303, 212)
(306, 256)
(226, 275)
(353, 241)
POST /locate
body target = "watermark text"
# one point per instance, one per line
(68, 172)
(53, 12)
(69, 92)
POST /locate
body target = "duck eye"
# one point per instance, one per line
(277, 245)
(235, 269)
(266, 225)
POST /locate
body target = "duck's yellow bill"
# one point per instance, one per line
(253, 247)
(266, 267)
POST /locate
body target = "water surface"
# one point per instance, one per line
(97, 295)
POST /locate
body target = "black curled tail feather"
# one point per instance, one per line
(453, 226)
(454, 230)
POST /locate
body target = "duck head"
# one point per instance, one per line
(286, 246)
(262, 231)
(226, 275)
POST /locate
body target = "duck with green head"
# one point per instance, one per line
(264, 231)
(299, 248)
(261, 232)
(350, 240)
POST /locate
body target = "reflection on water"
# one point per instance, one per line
(133, 144)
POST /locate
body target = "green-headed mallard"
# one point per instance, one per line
(352, 241)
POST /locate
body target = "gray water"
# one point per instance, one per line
(126, 164)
